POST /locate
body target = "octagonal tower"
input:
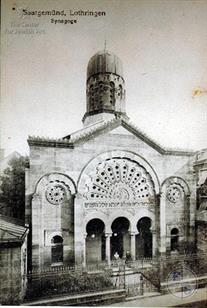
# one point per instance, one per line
(105, 88)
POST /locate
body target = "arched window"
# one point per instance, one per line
(120, 91)
(57, 249)
(112, 93)
(174, 239)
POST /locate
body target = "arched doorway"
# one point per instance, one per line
(57, 249)
(120, 240)
(95, 241)
(174, 239)
(144, 238)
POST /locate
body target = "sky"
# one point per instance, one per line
(163, 48)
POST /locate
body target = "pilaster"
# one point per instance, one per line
(79, 240)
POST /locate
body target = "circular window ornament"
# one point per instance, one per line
(55, 194)
(173, 194)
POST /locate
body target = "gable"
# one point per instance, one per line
(116, 126)
(120, 130)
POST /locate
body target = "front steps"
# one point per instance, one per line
(133, 281)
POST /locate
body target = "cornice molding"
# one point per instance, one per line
(101, 127)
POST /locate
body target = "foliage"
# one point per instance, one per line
(12, 187)
(71, 283)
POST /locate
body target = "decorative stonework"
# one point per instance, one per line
(120, 180)
(56, 192)
(173, 194)
(103, 90)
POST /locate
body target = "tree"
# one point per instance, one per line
(12, 187)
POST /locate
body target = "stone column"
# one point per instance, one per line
(133, 245)
(108, 248)
(79, 229)
(154, 243)
(163, 223)
(157, 223)
(84, 249)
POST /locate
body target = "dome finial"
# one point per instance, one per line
(105, 44)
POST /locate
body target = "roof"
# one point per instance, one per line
(104, 62)
(10, 231)
(101, 127)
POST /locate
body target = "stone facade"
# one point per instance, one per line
(108, 183)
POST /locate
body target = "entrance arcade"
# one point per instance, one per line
(120, 241)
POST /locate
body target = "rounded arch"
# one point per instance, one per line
(53, 176)
(95, 240)
(145, 213)
(121, 224)
(121, 213)
(144, 223)
(93, 163)
(174, 231)
(95, 225)
(177, 180)
(95, 215)
(57, 239)
(175, 227)
(52, 235)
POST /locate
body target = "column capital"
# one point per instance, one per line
(78, 195)
(159, 194)
(108, 234)
(132, 233)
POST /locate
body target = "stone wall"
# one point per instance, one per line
(10, 275)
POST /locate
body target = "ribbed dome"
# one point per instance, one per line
(104, 62)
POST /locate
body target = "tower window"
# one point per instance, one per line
(120, 91)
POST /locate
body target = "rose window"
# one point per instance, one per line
(55, 194)
(120, 179)
(173, 194)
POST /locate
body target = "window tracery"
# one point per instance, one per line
(120, 179)
(56, 192)
(173, 194)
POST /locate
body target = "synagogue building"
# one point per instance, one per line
(108, 189)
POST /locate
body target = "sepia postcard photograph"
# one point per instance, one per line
(103, 153)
